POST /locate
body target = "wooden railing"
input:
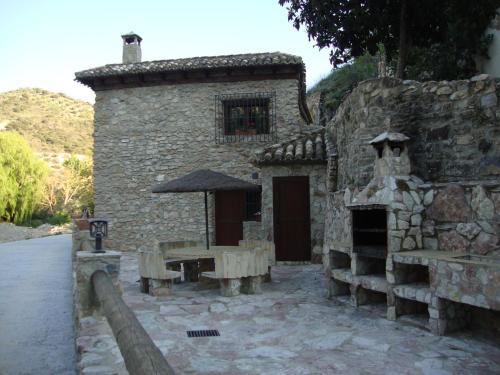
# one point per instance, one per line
(141, 355)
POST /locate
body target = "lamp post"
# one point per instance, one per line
(98, 230)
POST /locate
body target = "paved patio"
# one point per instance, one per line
(289, 329)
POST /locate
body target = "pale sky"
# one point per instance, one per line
(45, 41)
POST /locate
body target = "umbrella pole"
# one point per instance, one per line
(206, 219)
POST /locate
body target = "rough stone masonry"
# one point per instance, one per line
(146, 135)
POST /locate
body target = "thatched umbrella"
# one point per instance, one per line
(204, 180)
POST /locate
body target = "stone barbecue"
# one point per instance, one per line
(425, 246)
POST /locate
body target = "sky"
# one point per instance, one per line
(44, 42)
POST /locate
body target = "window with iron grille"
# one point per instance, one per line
(245, 117)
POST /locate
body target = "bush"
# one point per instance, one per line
(59, 218)
(35, 223)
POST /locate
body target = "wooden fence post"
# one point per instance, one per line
(141, 355)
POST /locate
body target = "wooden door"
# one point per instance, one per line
(292, 227)
(229, 217)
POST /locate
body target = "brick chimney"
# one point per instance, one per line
(131, 48)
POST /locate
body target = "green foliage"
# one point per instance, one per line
(49, 122)
(59, 218)
(454, 57)
(69, 189)
(449, 32)
(40, 217)
(342, 80)
(78, 189)
(22, 177)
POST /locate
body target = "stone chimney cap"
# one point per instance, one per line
(389, 136)
(132, 35)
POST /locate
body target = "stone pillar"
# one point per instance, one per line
(358, 295)
(86, 264)
(337, 288)
(81, 240)
(447, 316)
(230, 287)
(251, 285)
(160, 287)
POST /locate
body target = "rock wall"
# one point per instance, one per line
(317, 194)
(462, 217)
(454, 128)
(147, 135)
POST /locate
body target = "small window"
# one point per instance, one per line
(245, 117)
(253, 206)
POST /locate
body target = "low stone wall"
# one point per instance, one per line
(467, 282)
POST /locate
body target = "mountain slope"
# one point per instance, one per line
(50, 122)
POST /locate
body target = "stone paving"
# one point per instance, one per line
(289, 329)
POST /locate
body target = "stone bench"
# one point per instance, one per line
(234, 286)
(155, 278)
(239, 270)
(159, 286)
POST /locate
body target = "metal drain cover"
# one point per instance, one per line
(203, 333)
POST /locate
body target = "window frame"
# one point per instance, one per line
(230, 129)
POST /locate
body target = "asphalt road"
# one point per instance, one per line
(36, 307)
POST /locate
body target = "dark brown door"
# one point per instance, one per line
(229, 217)
(292, 227)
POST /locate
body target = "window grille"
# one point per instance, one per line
(245, 117)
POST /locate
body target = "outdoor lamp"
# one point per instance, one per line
(98, 230)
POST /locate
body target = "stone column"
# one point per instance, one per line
(251, 285)
(230, 287)
(337, 288)
(447, 316)
(86, 264)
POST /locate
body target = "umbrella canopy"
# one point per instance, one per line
(204, 180)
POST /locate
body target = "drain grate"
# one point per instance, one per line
(203, 333)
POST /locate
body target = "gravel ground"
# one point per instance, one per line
(10, 232)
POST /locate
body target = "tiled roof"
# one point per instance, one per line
(310, 147)
(193, 63)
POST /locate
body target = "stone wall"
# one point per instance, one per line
(317, 188)
(462, 217)
(454, 128)
(147, 135)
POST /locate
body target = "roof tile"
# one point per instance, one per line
(310, 147)
(193, 63)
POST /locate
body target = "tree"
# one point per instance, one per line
(354, 27)
(76, 185)
(22, 177)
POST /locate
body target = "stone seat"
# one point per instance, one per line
(160, 287)
(156, 279)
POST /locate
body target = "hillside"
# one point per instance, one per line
(326, 95)
(51, 123)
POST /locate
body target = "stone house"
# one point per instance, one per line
(159, 120)
(413, 207)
